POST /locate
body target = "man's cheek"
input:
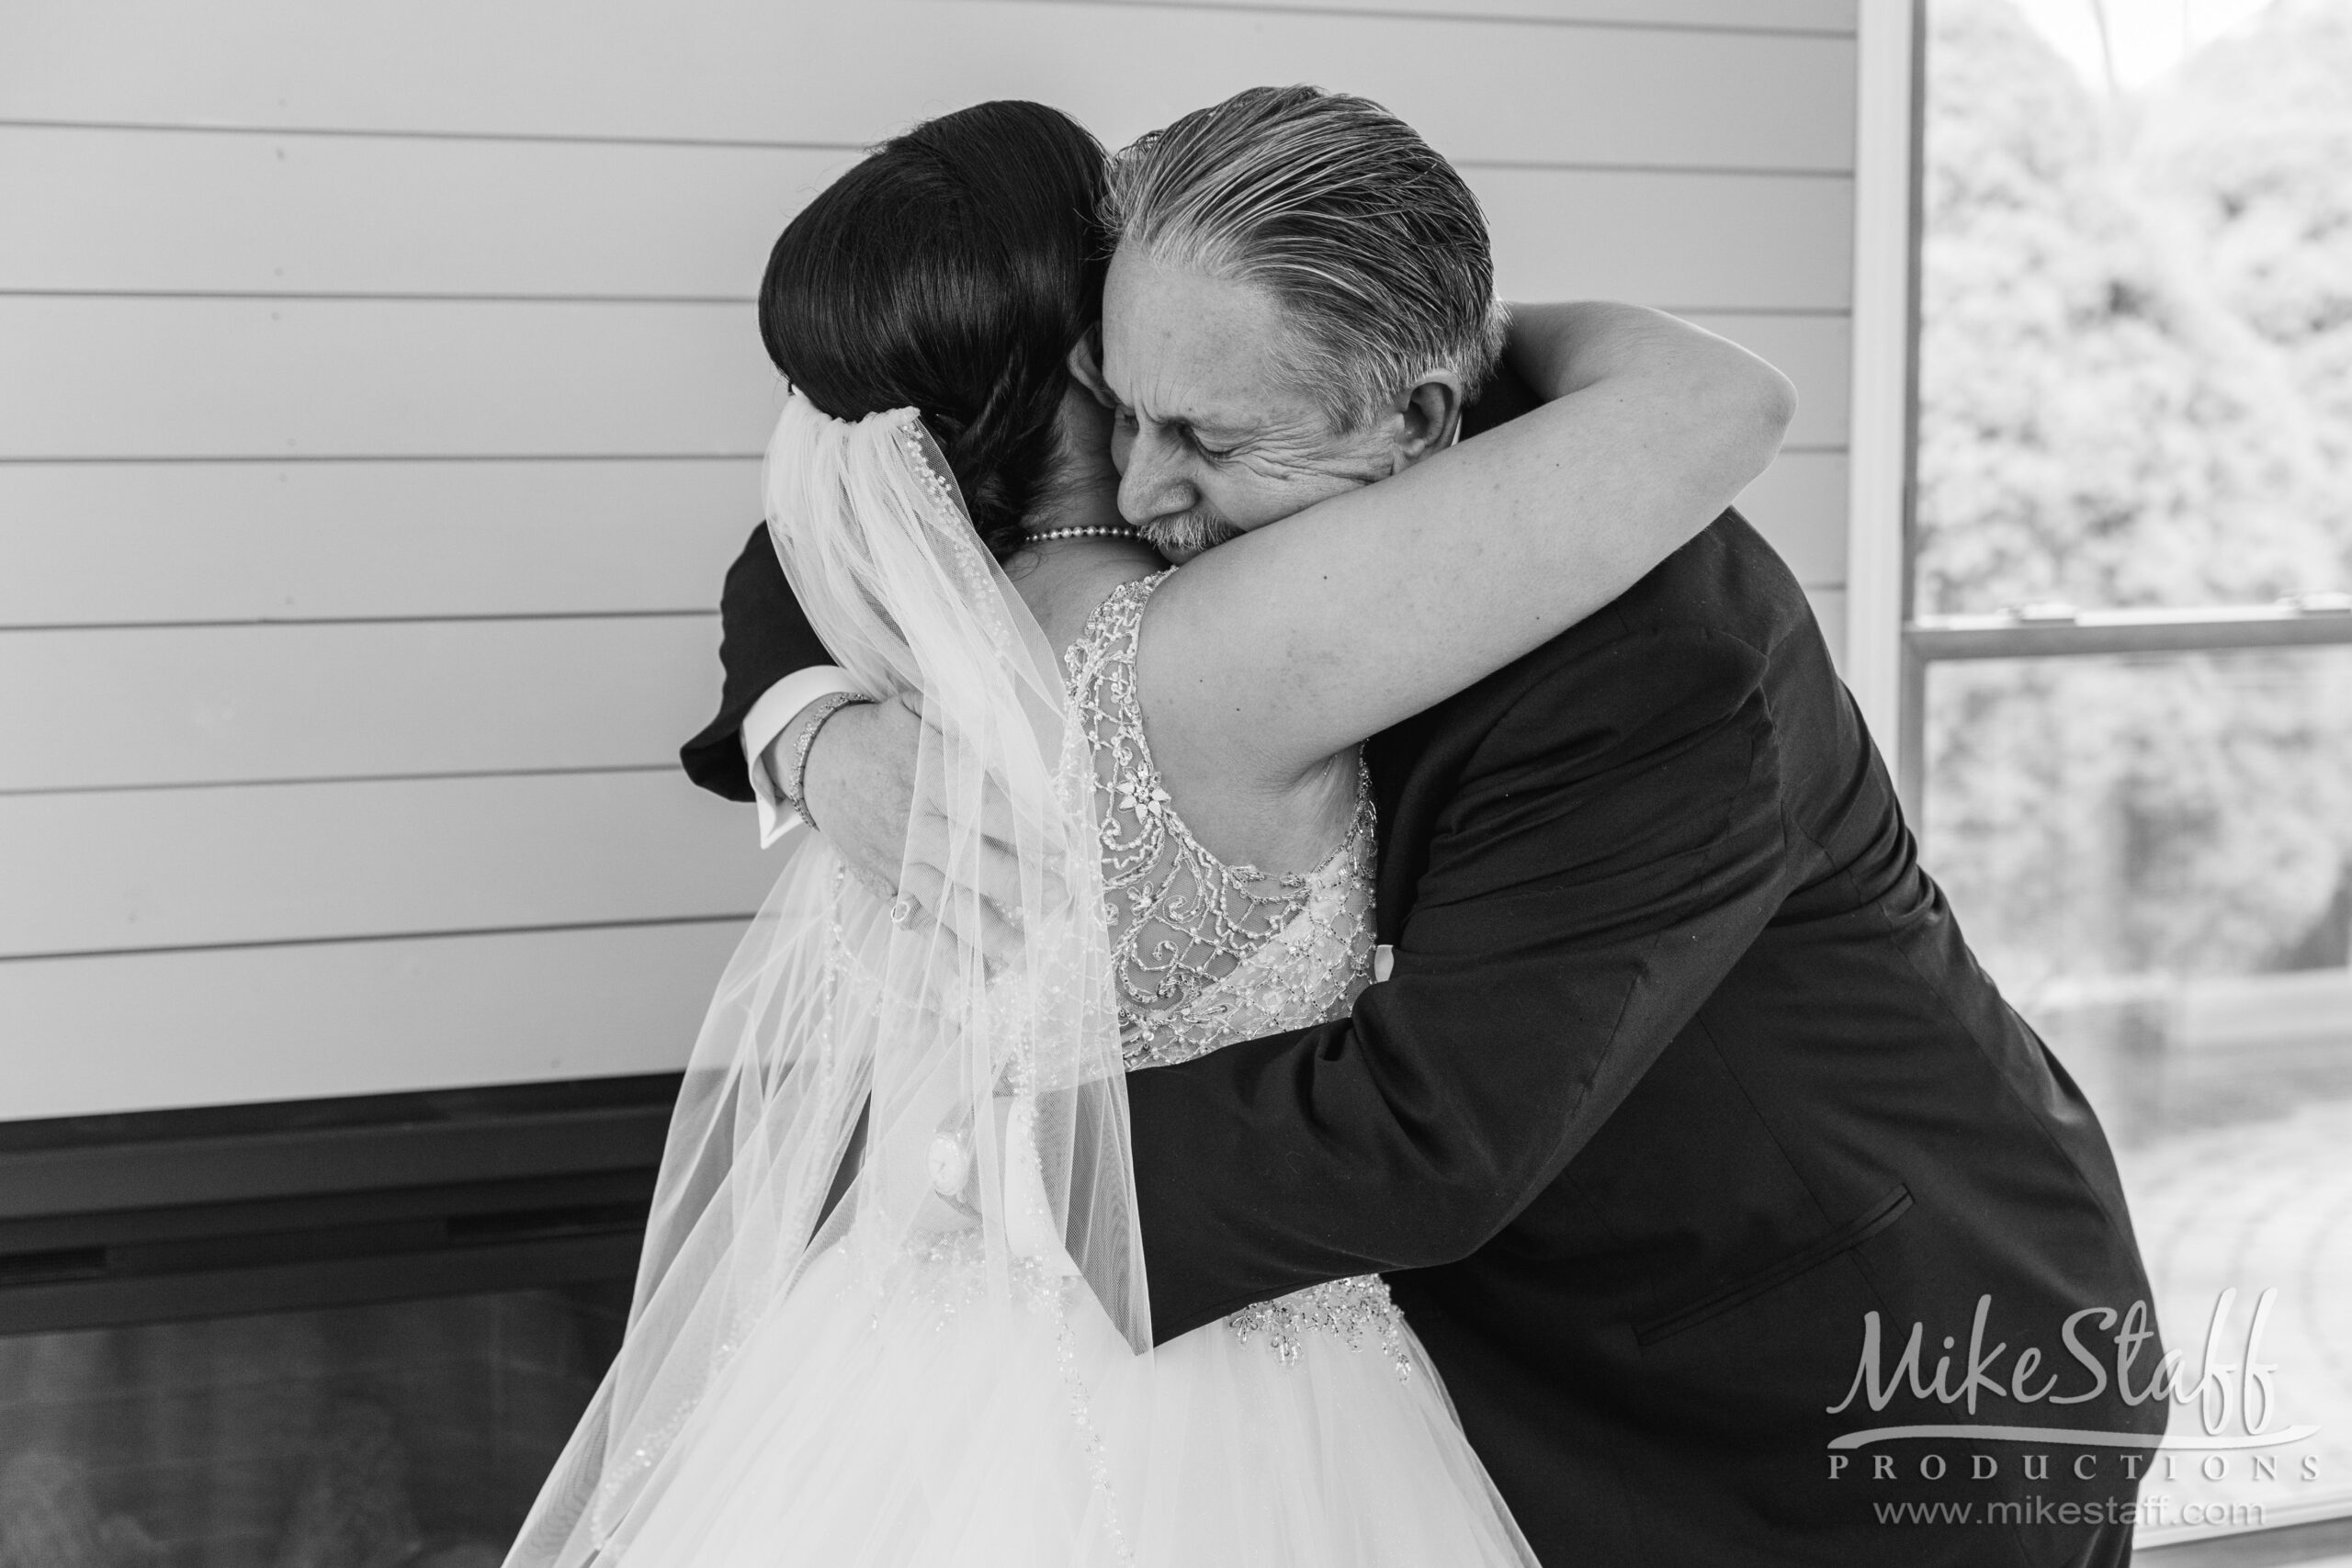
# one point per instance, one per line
(1253, 505)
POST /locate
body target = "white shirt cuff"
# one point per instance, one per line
(777, 707)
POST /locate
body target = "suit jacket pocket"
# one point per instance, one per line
(1845, 1238)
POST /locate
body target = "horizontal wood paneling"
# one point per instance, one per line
(276, 862)
(90, 544)
(268, 379)
(148, 1031)
(103, 544)
(250, 378)
(1798, 503)
(115, 707)
(178, 705)
(573, 436)
(1683, 243)
(114, 544)
(195, 212)
(840, 74)
(1812, 15)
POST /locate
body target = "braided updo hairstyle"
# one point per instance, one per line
(951, 271)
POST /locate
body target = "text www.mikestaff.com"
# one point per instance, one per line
(2154, 1510)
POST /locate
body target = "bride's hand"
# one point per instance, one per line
(860, 787)
(859, 783)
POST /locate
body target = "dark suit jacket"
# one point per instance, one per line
(1684, 1068)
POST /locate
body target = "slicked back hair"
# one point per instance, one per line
(1370, 242)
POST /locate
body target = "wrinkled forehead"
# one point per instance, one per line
(1183, 346)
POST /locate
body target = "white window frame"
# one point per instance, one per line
(1889, 645)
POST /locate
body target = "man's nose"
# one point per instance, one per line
(1154, 484)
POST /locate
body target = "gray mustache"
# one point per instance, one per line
(1188, 534)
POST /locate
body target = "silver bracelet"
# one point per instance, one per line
(793, 787)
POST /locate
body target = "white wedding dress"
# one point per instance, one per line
(967, 1403)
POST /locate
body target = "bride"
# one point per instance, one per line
(892, 1309)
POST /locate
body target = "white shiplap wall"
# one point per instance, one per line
(378, 407)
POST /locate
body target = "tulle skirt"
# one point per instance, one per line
(957, 1423)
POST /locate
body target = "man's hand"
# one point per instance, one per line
(861, 785)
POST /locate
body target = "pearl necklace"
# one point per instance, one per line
(1103, 532)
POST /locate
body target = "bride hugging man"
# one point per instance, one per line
(1356, 997)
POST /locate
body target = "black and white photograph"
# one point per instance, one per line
(1176, 783)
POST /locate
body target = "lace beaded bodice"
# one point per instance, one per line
(1207, 955)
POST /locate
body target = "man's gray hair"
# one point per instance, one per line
(1370, 240)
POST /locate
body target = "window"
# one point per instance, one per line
(2126, 663)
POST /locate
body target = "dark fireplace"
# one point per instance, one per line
(349, 1333)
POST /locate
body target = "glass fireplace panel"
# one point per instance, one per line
(394, 1434)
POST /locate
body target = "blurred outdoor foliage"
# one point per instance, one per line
(2136, 390)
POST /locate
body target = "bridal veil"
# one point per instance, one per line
(875, 1111)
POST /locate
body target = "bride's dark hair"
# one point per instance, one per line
(952, 271)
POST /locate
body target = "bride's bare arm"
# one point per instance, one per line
(1548, 491)
(1262, 658)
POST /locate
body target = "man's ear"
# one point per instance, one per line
(1430, 419)
(1085, 362)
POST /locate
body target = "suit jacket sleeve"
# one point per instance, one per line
(1611, 847)
(762, 636)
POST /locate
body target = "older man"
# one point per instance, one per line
(1739, 1214)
